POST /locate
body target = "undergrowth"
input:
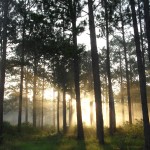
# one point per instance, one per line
(127, 137)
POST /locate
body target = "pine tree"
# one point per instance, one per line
(96, 77)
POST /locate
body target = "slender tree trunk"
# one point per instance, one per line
(26, 105)
(3, 64)
(58, 100)
(142, 79)
(70, 110)
(21, 78)
(96, 76)
(54, 108)
(147, 23)
(64, 111)
(141, 31)
(91, 112)
(126, 67)
(43, 87)
(34, 91)
(72, 7)
(106, 94)
(121, 88)
(112, 116)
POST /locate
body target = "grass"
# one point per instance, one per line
(126, 138)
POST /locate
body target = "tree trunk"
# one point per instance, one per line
(142, 79)
(34, 90)
(58, 100)
(126, 67)
(147, 23)
(121, 88)
(43, 88)
(72, 7)
(3, 64)
(141, 31)
(112, 116)
(64, 111)
(96, 76)
(26, 105)
(54, 108)
(21, 78)
(106, 95)
(70, 110)
(91, 112)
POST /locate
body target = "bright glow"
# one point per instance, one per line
(89, 112)
(85, 104)
(67, 97)
(49, 94)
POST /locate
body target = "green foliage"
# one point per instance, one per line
(128, 137)
(134, 130)
(8, 128)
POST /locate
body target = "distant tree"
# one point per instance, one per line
(27, 100)
(58, 100)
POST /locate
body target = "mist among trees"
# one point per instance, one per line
(75, 65)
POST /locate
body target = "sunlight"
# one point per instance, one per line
(85, 104)
(50, 94)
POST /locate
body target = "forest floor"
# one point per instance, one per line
(126, 138)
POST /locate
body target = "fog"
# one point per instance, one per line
(88, 113)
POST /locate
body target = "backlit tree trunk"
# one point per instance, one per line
(73, 7)
(121, 87)
(142, 79)
(34, 90)
(64, 110)
(58, 99)
(96, 76)
(21, 77)
(112, 116)
(3, 64)
(147, 23)
(26, 103)
(126, 67)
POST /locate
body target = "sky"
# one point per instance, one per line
(84, 38)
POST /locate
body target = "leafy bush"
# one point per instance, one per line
(134, 130)
(8, 128)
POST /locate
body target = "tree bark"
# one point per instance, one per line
(121, 88)
(142, 79)
(58, 100)
(21, 77)
(147, 23)
(54, 108)
(112, 116)
(96, 76)
(27, 103)
(141, 31)
(43, 88)
(70, 112)
(72, 7)
(64, 111)
(34, 90)
(126, 68)
(3, 64)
